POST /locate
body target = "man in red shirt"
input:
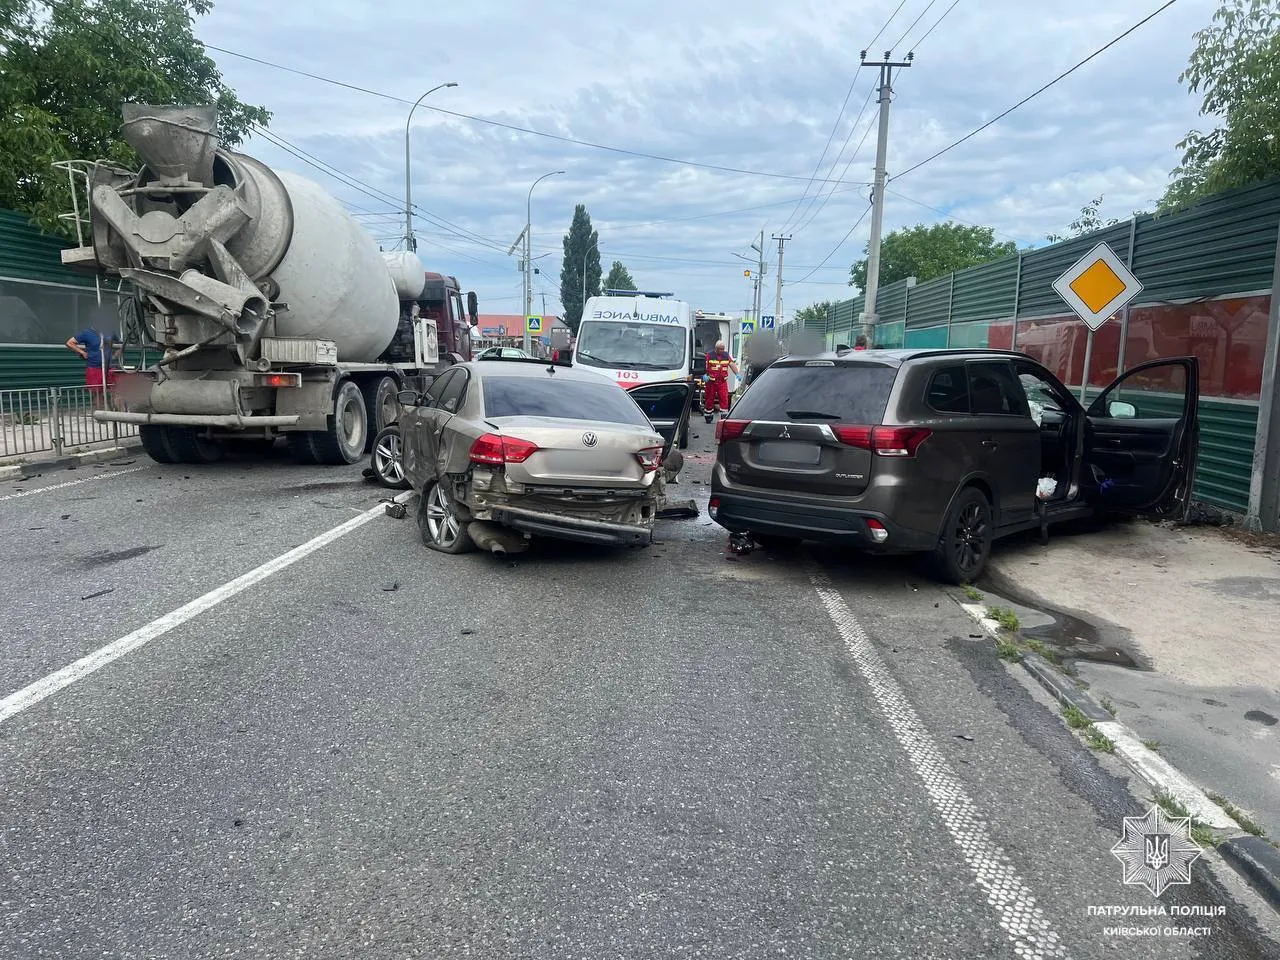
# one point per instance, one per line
(715, 396)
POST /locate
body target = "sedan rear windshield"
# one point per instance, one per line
(844, 393)
(561, 399)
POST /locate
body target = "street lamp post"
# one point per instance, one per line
(410, 242)
(528, 254)
(595, 244)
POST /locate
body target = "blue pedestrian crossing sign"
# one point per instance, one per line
(533, 324)
(748, 326)
(766, 322)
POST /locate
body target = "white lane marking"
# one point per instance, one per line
(69, 483)
(1021, 919)
(30, 695)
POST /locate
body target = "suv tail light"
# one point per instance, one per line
(650, 458)
(730, 429)
(883, 441)
(492, 449)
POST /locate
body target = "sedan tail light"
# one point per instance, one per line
(492, 449)
(650, 458)
(730, 429)
(883, 441)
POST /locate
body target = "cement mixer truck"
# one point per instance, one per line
(273, 313)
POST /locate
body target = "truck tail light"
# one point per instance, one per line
(650, 458)
(883, 441)
(277, 379)
(494, 450)
(727, 430)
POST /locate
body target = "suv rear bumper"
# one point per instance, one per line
(741, 513)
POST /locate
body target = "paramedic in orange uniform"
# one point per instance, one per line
(715, 396)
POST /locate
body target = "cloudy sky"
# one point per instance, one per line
(745, 84)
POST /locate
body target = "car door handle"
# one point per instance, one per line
(990, 444)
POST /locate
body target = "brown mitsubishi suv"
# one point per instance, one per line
(943, 451)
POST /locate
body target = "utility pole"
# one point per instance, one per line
(777, 299)
(886, 67)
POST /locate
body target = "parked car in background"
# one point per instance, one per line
(503, 353)
(944, 451)
(504, 451)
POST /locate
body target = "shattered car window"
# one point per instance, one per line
(561, 399)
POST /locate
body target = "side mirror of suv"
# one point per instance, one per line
(1119, 410)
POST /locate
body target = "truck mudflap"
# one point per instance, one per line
(231, 421)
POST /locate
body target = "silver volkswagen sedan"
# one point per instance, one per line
(502, 452)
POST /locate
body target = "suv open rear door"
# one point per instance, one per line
(1142, 438)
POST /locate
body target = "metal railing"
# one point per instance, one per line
(55, 419)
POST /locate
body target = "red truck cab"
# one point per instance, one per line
(442, 302)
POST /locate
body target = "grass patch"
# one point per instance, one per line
(1171, 805)
(972, 594)
(1153, 745)
(1008, 650)
(1039, 647)
(1098, 740)
(1108, 705)
(1247, 823)
(1076, 720)
(1006, 618)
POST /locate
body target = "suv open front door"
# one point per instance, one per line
(1142, 437)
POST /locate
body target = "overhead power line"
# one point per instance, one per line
(935, 24)
(836, 126)
(511, 126)
(1027, 99)
(832, 253)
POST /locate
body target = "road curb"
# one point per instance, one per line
(1258, 862)
(1253, 858)
(18, 470)
(1152, 768)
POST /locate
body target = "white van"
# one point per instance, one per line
(634, 337)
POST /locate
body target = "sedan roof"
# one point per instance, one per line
(531, 368)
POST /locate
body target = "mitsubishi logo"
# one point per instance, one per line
(786, 433)
(589, 439)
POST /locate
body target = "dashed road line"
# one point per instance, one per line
(68, 483)
(46, 687)
(1022, 920)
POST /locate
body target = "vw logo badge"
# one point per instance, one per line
(588, 439)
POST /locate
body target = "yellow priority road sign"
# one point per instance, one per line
(533, 324)
(1097, 286)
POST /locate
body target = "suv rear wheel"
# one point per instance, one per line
(965, 544)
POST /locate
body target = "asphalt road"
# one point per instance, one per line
(378, 751)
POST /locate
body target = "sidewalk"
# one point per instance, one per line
(29, 464)
(1179, 630)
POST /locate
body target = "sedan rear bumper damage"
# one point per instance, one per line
(563, 527)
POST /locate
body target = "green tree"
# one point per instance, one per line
(1236, 66)
(928, 251)
(1090, 219)
(815, 314)
(619, 278)
(66, 67)
(581, 245)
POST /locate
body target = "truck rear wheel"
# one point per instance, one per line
(153, 444)
(381, 403)
(347, 433)
(189, 445)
